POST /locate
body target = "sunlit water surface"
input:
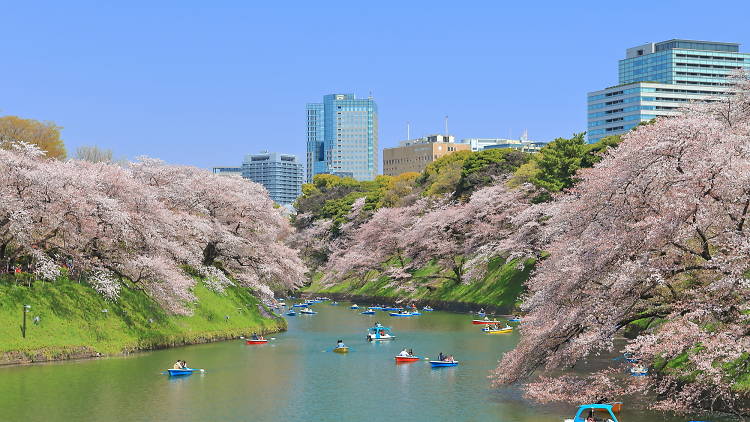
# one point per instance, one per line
(295, 377)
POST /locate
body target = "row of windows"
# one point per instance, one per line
(705, 57)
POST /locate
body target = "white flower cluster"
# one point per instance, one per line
(215, 279)
(106, 284)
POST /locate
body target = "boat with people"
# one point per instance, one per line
(341, 347)
(402, 313)
(291, 312)
(368, 312)
(392, 309)
(485, 321)
(515, 318)
(300, 305)
(354, 306)
(379, 332)
(307, 311)
(494, 329)
(406, 355)
(334, 303)
(180, 368)
(377, 308)
(256, 339)
(597, 412)
(427, 309)
(444, 360)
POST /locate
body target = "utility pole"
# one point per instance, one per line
(25, 311)
(446, 125)
(408, 131)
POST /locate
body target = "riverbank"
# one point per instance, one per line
(68, 320)
(498, 291)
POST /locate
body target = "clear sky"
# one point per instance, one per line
(206, 82)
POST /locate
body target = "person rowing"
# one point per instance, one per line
(177, 365)
(404, 353)
(340, 344)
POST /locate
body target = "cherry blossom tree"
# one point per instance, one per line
(142, 226)
(655, 232)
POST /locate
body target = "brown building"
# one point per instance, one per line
(415, 154)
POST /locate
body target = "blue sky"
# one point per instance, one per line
(204, 83)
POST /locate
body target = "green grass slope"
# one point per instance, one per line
(500, 287)
(72, 322)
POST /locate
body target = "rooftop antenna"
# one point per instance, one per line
(446, 125)
(371, 94)
(408, 131)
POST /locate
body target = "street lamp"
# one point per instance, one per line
(25, 311)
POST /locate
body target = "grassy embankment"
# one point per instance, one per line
(500, 287)
(72, 322)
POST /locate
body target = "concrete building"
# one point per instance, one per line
(227, 171)
(414, 155)
(342, 137)
(522, 144)
(281, 174)
(657, 79)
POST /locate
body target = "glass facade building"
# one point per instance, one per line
(657, 79)
(342, 137)
(280, 174)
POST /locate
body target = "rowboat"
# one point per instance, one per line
(375, 307)
(639, 371)
(344, 349)
(392, 309)
(401, 314)
(505, 329)
(515, 319)
(484, 321)
(333, 303)
(256, 341)
(427, 309)
(440, 363)
(415, 313)
(354, 306)
(307, 311)
(291, 312)
(184, 371)
(300, 305)
(481, 314)
(404, 359)
(368, 312)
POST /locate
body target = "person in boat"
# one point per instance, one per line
(441, 356)
(411, 352)
(177, 365)
(450, 359)
(404, 353)
(255, 336)
(481, 311)
(183, 365)
(340, 344)
(486, 319)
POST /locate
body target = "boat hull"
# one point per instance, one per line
(440, 364)
(498, 331)
(256, 341)
(368, 313)
(400, 315)
(406, 359)
(341, 350)
(481, 321)
(180, 372)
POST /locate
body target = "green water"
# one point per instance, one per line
(293, 378)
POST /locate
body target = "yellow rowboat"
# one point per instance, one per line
(498, 331)
(344, 349)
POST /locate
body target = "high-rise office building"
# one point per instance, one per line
(280, 174)
(342, 137)
(657, 79)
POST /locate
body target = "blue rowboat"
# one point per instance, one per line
(291, 313)
(415, 313)
(354, 307)
(368, 312)
(440, 363)
(180, 372)
(399, 314)
(427, 309)
(300, 305)
(375, 307)
(514, 319)
(392, 309)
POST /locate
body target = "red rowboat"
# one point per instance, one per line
(264, 341)
(484, 321)
(407, 358)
